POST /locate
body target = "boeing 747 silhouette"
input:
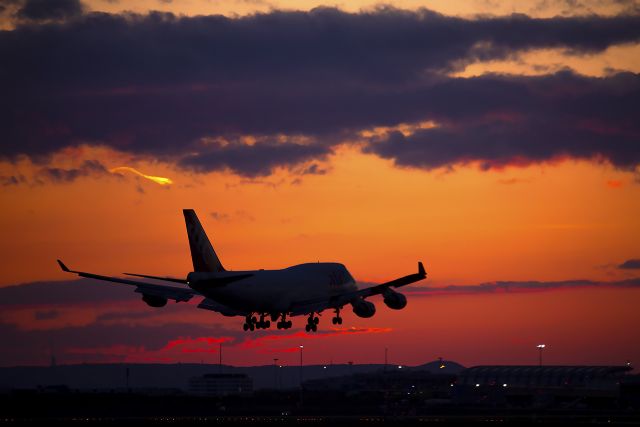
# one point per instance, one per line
(300, 290)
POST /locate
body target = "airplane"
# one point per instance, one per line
(300, 290)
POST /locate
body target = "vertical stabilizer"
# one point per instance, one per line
(202, 253)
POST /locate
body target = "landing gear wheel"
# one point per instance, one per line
(312, 323)
(283, 323)
(245, 327)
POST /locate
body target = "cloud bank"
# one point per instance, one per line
(97, 322)
(189, 90)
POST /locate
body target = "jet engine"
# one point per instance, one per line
(363, 308)
(154, 301)
(394, 300)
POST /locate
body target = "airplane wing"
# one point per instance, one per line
(396, 283)
(317, 305)
(168, 292)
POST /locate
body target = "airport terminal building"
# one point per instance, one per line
(540, 385)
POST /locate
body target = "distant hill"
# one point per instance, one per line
(114, 376)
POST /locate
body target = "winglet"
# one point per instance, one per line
(421, 270)
(63, 267)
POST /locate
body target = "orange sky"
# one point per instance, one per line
(542, 222)
(550, 221)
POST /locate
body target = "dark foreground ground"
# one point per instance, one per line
(457, 420)
(279, 408)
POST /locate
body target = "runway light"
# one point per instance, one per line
(504, 385)
(477, 385)
(541, 346)
(324, 367)
(399, 366)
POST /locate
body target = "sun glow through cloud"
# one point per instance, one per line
(157, 179)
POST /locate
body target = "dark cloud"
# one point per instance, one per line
(530, 286)
(522, 120)
(164, 86)
(92, 342)
(61, 175)
(45, 10)
(238, 215)
(46, 314)
(630, 264)
(7, 180)
(83, 291)
(253, 160)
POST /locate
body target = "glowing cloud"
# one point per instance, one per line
(261, 343)
(206, 344)
(157, 179)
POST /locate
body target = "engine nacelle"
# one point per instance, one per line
(394, 300)
(363, 308)
(154, 301)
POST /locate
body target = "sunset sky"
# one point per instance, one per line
(496, 141)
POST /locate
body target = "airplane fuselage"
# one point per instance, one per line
(274, 291)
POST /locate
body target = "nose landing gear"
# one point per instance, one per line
(337, 320)
(251, 323)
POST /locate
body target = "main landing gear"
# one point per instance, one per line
(251, 323)
(337, 320)
(284, 323)
(312, 323)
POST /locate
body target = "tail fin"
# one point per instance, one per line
(202, 253)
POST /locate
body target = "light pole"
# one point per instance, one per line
(275, 373)
(301, 347)
(220, 359)
(540, 348)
